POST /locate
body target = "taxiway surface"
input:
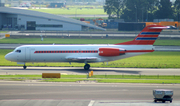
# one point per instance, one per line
(82, 94)
(81, 71)
(32, 93)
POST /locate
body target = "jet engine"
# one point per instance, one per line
(111, 51)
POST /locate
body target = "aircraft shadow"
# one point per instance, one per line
(118, 71)
(101, 71)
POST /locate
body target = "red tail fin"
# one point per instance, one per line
(147, 36)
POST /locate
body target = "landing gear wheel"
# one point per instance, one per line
(86, 67)
(24, 67)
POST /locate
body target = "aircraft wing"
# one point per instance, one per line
(81, 58)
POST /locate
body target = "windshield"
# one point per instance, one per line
(18, 51)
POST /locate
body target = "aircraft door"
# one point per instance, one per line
(27, 53)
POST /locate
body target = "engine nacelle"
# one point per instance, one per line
(111, 51)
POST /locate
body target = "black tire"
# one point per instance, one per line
(24, 67)
(163, 101)
(171, 101)
(155, 101)
(86, 67)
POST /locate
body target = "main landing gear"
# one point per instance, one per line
(86, 66)
(24, 66)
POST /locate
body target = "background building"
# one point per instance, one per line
(20, 19)
(2, 3)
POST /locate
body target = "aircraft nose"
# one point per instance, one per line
(8, 56)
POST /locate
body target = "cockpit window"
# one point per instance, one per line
(18, 51)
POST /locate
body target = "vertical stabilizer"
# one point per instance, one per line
(147, 36)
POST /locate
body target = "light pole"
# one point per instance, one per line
(178, 16)
(142, 14)
(147, 17)
(136, 13)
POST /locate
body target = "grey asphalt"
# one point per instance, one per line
(81, 35)
(33, 93)
(167, 48)
(81, 71)
(82, 94)
(175, 34)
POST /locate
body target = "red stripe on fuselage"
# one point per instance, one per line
(66, 51)
(94, 51)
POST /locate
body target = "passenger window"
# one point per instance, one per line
(18, 51)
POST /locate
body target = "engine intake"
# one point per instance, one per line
(111, 51)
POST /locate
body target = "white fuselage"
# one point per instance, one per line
(66, 53)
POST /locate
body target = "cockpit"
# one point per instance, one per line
(18, 51)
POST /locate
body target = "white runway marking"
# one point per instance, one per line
(91, 103)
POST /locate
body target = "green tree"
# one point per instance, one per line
(151, 8)
(177, 9)
(114, 7)
(165, 10)
(108, 8)
(177, 5)
(139, 10)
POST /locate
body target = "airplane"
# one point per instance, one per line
(142, 44)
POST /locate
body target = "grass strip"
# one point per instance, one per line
(78, 41)
(3, 31)
(59, 41)
(20, 76)
(157, 81)
(99, 78)
(174, 77)
(72, 11)
(65, 80)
